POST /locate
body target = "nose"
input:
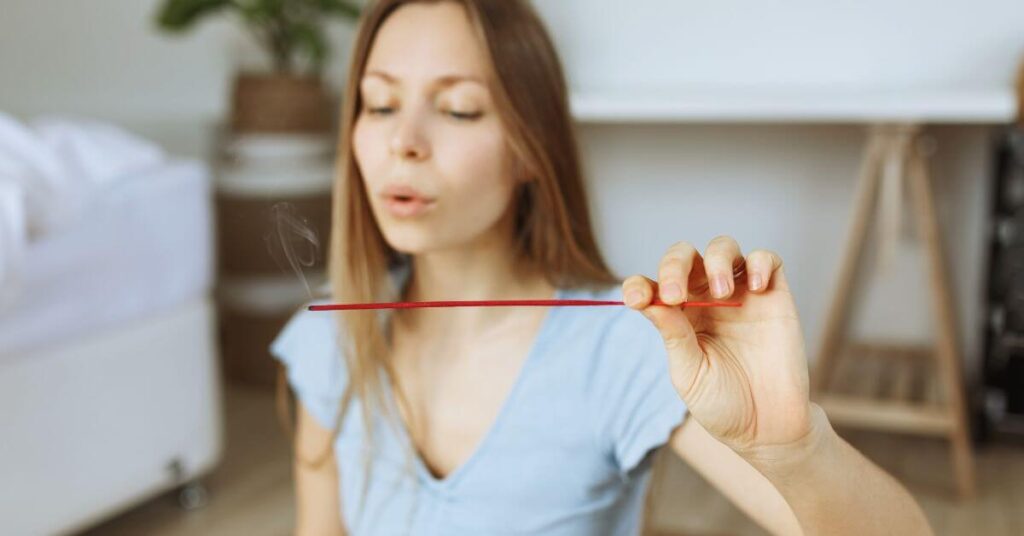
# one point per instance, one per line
(409, 142)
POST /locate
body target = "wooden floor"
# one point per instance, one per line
(685, 504)
(251, 494)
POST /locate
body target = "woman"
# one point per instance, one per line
(459, 179)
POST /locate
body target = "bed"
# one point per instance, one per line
(109, 377)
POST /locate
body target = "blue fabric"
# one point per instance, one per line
(567, 455)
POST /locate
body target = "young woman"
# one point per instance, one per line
(459, 179)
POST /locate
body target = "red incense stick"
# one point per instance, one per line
(500, 303)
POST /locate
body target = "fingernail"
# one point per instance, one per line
(756, 281)
(671, 292)
(719, 286)
(634, 297)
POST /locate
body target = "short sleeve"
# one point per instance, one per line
(308, 347)
(639, 407)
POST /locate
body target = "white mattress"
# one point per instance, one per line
(145, 247)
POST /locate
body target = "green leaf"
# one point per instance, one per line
(341, 7)
(179, 15)
(310, 39)
(271, 8)
(284, 28)
(253, 14)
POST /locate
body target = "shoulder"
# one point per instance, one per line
(309, 348)
(632, 402)
(312, 346)
(306, 332)
(612, 328)
(609, 343)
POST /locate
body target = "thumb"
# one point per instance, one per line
(684, 352)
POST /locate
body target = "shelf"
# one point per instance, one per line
(984, 106)
(887, 386)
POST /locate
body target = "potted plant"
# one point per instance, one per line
(293, 96)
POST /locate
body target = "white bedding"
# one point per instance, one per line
(144, 247)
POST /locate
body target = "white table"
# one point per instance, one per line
(983, 106)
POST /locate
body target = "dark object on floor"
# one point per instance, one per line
(1002, 398)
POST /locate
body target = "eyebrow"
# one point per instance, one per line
(441, 81)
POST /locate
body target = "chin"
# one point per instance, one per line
(410, 241)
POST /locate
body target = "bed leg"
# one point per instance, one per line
(193, 496)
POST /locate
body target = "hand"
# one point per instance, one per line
(742, 371)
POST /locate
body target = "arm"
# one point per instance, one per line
(746, 488)
(831, 477)
(834, 489)
(316, 485)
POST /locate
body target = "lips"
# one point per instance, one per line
(406, 201)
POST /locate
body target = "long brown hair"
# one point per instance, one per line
(552, 225)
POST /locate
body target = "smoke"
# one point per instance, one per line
(293, 242)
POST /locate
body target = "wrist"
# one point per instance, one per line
(798, 456)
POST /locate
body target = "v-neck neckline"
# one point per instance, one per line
(495, 426)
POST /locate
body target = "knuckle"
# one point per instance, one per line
(681, 250)
(718, 260)
(673, 341)
(670, 268)
(763, 259)
(758, 255)
(672, 264)
(633, 280)
(722, 241)
(720, 250)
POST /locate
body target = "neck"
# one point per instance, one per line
(484, 270)
(475, 274)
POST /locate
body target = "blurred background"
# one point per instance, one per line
(165, 175)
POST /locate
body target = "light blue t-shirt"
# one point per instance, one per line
(569, 451)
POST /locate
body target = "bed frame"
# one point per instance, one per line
(94, 426)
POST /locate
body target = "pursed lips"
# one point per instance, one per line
(405, 201)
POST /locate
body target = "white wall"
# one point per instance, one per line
(103, 59)
(785, 188)
(106, 59)
(609, 44)
(788, 189)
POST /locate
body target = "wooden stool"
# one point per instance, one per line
(892, 387)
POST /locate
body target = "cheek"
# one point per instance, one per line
(367, 148)
(477, 166)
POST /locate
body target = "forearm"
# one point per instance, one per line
(833, 489)
(743, 485)
(317, 488)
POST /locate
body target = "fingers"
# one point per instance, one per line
(763, 268)
(674, 272)
(637, 291)
(721, 264)
(675, 329)
(720, 259)
(679, 338)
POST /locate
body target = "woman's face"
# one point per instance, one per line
(428, 142)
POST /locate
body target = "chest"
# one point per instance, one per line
(455, 388)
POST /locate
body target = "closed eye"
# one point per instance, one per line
(465, 116)
(380, 110)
